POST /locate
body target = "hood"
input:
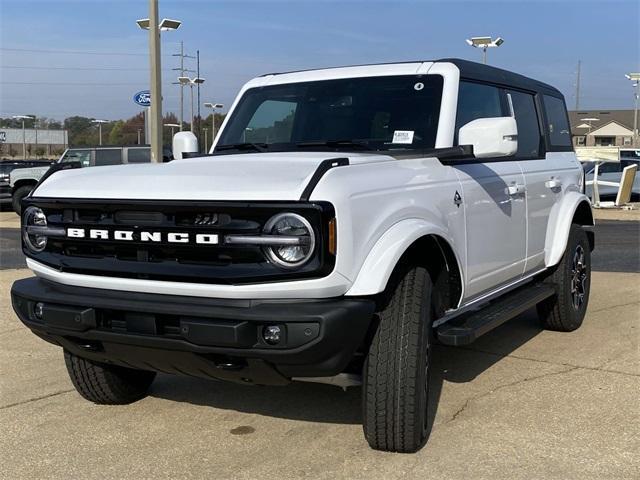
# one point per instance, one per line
(258, 176)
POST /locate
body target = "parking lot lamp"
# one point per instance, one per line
(635, 77)
(24, 137)
(100, 122)
(173, 127)
(484, 43)
(155, 27)
(191, 82)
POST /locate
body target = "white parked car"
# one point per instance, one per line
(345, 219)
(612, 172)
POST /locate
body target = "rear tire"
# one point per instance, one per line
(107, 384)
(565, 311)
(17, 197)
(396, 370)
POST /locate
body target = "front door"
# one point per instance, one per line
(493, 195)
(494, 201)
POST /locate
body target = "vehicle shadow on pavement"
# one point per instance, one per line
(464, 364)
(329, 404)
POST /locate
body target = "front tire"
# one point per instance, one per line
(396, 370)
(565, 311)
(18, 195)
(107, 384)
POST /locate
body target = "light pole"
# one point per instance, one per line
(635, 77)
(24, 137)
(206, 140)
(484, 43)
(588, 120)
(191, 82)
(100, 122)
(154, 28)
(173, 127)
(213, 107)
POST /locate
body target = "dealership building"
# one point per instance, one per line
(602, 128)
(36, 142)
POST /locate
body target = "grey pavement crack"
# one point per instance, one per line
(502, 387)
(30, 400)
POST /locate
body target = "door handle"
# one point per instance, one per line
(516, 189)
(553, 183)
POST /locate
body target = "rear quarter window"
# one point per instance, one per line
(557, 124)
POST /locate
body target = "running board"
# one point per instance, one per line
(467, 328)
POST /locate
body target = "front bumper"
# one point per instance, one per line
(212, 338)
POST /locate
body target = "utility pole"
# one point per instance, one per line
(156, 83)
(182, 71)
(578, 86)
(635, 77)
(198, 75)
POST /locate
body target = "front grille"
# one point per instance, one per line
(188, 262)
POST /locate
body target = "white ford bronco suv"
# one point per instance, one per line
(345, 220)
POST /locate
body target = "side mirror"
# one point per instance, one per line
(184, 142)
(490, 137)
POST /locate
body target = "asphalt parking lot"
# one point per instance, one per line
(519, 403)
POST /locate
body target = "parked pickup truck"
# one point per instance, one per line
(345, 220)
(7, 166)
(24, 180)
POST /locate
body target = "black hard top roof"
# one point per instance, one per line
(471, 71)
(487, 73)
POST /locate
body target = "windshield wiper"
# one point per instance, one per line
(256, 147)
(356, 144)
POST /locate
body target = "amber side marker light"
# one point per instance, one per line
(332, 236)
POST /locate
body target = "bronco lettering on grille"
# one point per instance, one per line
(142, 236)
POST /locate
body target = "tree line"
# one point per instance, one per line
(83, 132)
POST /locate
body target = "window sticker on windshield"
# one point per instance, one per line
(403, 136)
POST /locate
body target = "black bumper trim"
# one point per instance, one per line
(320, 337)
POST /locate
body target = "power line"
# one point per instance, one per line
(75, 52)
(34, 67)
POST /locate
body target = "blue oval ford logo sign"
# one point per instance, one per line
(143, 98)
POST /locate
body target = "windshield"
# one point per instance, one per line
(372, 113)
(82, 156)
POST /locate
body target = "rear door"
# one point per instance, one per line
(495, 218)
(549, 165)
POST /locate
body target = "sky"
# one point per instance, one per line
(87, 57)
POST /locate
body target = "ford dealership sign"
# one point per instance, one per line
(143, 98)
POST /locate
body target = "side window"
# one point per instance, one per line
(524, 107)
(138, 155)
(610, 167)
(111, 156)
(557, 123)
(626, 163)
(272, 122)
(476, 100)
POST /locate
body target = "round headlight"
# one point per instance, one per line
(34, 217)
(290, 225)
